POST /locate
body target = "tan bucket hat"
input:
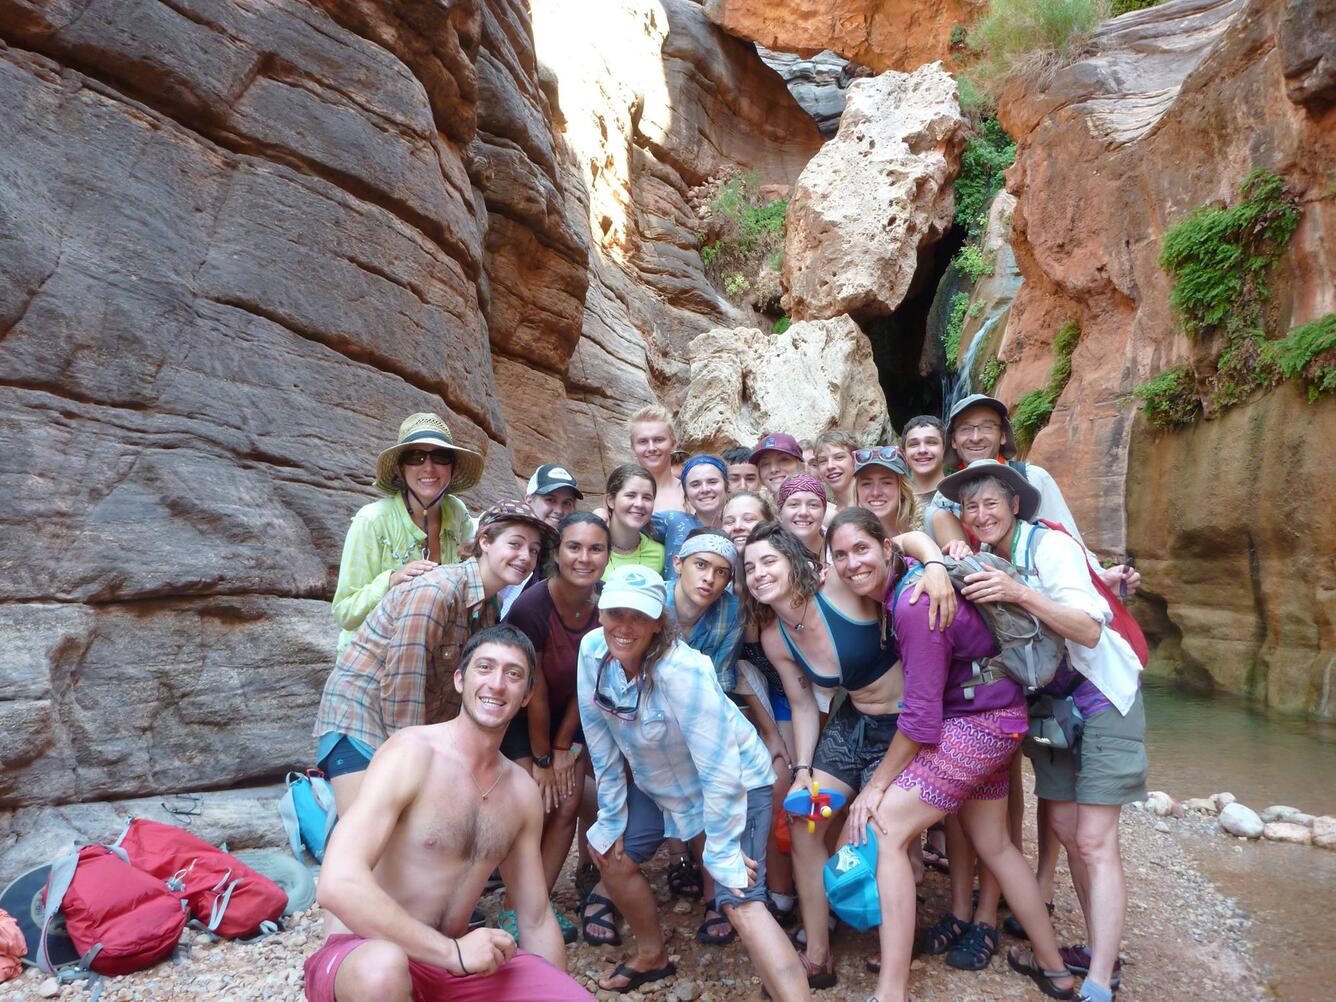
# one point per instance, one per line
(427, 432)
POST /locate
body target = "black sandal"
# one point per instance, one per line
(684, 879)
(975, 949)
(935, 859)
(634, 978)
(705, 934)
(942, 935)
(604, 916)
(1044, 979)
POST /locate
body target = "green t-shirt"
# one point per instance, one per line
(647, 554)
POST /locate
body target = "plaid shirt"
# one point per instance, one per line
(399, 668)
(717, 635)
(689, 748)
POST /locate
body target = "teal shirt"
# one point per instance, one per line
(381, 539)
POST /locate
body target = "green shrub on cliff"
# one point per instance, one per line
(1035, 408)
(1028, 39)
(982, 166)
(975, 262)
(1170, 398)
(1127, 6)
(742, 246)
(1308, 353)
(992, 372)
(955, 324)
(1219, 257)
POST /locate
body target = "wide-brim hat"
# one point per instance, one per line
(980, 468)
(1008, 446)
(427, 432)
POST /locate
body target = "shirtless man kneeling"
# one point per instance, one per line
(439, 809)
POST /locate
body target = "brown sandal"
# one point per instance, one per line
(819, 975)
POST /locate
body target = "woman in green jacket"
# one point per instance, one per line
(421, 523)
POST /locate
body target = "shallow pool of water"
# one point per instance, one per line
(1200, 745)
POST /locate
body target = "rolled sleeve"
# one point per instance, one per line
(604, 754)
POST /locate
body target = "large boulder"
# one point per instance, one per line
(902, 35)
(1170, 109)
(875, 197)
(1241, 821)
(816, 375)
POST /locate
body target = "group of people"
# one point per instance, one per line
(661, 674)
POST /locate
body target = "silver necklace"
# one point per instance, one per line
(801, 625)
(490, 788)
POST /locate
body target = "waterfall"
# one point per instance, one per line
(964, 378)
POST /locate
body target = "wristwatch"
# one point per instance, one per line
(543, 761)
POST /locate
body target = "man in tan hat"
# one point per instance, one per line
(421, 522)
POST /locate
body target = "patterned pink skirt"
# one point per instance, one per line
(972, 761)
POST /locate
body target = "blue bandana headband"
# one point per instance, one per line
(695, 461)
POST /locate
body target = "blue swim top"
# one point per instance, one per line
(861, 655)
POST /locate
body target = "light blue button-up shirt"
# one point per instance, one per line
(689, 749)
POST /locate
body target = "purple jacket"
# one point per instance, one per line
(937, 664)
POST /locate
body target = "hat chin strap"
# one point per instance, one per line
(426, 512)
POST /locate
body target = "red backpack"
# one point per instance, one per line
(221, 892)
(1123, 623)
(119, 918)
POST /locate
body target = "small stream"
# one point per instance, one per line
(1200, 745)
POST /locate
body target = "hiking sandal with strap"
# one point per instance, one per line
(941, 936)
(975, 949)
(600, 913)
(684, 878)
(1025, 963)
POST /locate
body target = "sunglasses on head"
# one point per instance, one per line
(880, 454)
(607, 704)
(416, 457)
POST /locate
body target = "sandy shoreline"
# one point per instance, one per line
(1184, 940)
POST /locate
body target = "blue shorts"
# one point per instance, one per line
(755, 839)
(779, 703)
(340, 755)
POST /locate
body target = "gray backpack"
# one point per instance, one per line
(1030, 651)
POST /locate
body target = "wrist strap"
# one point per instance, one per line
(939, 563)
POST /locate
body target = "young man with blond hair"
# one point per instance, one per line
(652, 443)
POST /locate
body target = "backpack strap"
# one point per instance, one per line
(287, 813)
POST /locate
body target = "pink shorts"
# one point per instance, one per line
(971, 761)
(524, 978)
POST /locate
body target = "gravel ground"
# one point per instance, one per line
(1184, 940)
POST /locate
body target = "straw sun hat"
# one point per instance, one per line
(427, 432)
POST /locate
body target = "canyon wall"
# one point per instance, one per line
(1170, 110)
(238, 244)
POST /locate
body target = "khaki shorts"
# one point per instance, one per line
(1108, 765)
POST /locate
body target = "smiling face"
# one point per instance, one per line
(634, 503)
(743, 477)
(925, 449)
(628, 634)
(976, 433)
(702, 577)
(802, 514)
(741, 515)
(432, 476)
(582, 554)
(861, 560)
(879, 492)
(990, 515)
(511, 554)
(553, 506)
(835, 465)
(775, 467)
(705, 490)
(494, 685)
(653, 444)
(769, 573)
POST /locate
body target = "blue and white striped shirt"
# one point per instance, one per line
(689, 749)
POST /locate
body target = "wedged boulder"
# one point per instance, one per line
(902, 35)
(817, 375)
(817, 83)
(874, 197)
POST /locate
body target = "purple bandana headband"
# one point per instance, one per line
(802, 482)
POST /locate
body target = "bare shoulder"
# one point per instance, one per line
(523, 787)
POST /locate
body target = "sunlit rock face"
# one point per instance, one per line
(817, 375)
(1171, 110)
(902, 35)
(238, 244)
(874, 197)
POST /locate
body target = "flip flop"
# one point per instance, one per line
(638, 978)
